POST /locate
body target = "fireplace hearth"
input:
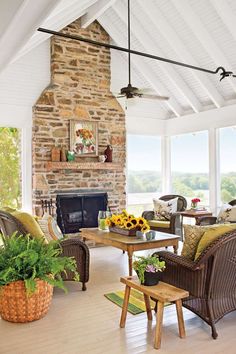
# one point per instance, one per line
(78, 209)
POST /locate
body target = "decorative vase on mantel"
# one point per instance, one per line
(108, 153)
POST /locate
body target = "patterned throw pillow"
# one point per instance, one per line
(227, 214)
(192, 236)
(163, 210)
(50, 228)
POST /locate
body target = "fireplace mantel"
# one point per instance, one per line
(52, 166)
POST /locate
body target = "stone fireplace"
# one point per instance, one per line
(79, 89)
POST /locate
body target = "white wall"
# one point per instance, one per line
(20, 86)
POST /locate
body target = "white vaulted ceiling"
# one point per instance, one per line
(197, 32)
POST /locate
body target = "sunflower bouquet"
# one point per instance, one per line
(128, 222)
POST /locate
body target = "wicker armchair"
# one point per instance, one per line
(72, 247)
(175, 226)
(211, 220)
(210, 280)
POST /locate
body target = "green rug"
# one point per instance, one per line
(136, 301)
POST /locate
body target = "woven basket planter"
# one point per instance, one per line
(16, 306)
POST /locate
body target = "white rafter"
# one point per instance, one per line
(140, 65)
(95, 11)
(150, 45)
(177, 45)
(19, 30)
(204, 36)
(56, 21)
(227, 15)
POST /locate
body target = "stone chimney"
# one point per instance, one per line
(79, 89)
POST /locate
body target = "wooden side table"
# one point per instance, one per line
(161, 292)
(191, 213)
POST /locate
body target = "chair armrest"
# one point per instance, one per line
(206, 220)
(181, 261)
(71, 242)
(73, 247)
(184, 273)
(148, 215)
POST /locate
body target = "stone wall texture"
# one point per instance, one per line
(79, 89)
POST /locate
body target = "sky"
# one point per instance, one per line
(189, 152)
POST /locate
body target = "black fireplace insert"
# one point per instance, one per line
(76, 210)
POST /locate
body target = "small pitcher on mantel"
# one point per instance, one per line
(108, 153)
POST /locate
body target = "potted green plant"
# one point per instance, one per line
(29, 269)
(148, 269)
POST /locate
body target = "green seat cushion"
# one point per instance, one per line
(211, 235)
(159, 223)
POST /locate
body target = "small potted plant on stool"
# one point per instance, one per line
(148, 269)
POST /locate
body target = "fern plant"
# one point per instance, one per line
(25, 258)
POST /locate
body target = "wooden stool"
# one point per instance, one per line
(161, 292)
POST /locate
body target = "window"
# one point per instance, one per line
(144, 172)
(190, 166)
(228, 163)
(10, 174)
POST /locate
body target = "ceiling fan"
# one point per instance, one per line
(130, 91)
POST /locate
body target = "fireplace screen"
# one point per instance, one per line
(78, 210)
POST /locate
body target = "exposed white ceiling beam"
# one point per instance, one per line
(227, 15)
(184, 54)
(217, 118)
(57, 21)
(141, 66)
(204, 36)
(150, 45)
(20, 30)
(95, 11)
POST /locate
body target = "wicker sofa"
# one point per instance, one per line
(174, 226)
(210, 280)
(70, 247)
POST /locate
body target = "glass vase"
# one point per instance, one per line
(194, 205)
(102, 215)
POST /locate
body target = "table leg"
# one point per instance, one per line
(179, 310)
(176, 248)
(125, 307)
(148, 306)
(160, 308)
(130, 257)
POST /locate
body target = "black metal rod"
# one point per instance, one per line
(131, 51)
(129, 59)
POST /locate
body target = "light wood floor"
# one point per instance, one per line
(86, 322)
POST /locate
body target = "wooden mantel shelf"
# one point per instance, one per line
(50, 166)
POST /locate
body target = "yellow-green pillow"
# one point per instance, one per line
(28, 221)
(192, 236)
(211, 235)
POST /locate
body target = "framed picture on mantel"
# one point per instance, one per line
(84, 138)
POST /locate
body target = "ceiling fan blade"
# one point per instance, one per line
(154, 97)
(119, 96)
(145, 90)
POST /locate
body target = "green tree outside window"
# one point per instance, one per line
(10, 174)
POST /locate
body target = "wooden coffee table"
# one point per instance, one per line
(130, 244)
(162, 293)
